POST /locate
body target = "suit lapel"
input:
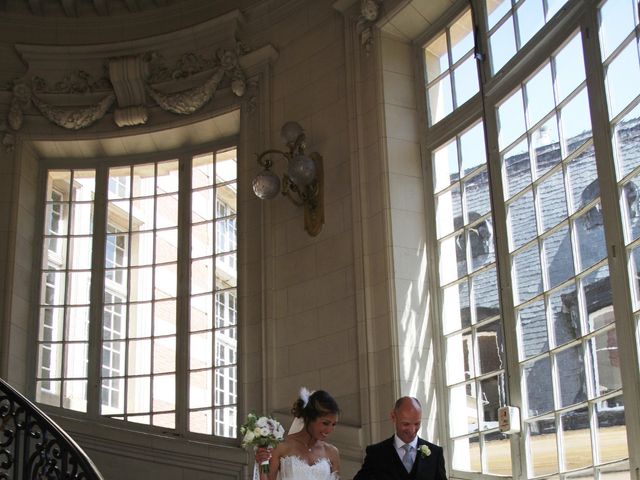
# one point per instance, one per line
(423, 467)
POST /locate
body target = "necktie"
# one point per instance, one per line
(407, 461)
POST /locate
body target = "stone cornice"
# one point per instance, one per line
(75, 86)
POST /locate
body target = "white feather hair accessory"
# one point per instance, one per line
(304, 396)
(298, 423)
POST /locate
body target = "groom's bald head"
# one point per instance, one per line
(407, 418)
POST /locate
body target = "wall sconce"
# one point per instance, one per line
(303, 182)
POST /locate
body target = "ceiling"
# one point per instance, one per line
(81, 8)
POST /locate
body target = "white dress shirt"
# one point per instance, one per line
(398, 444)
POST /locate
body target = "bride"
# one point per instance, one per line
(304, 454)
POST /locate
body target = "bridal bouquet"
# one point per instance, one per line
(261, 432)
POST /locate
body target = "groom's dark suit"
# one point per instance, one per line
(383, 463)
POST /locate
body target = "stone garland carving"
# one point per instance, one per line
(190, 64)
(185, 102)
(75, 82)
(74, 118)
(188, 101)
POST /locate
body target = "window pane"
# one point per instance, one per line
(496, 9)
(576, 439)
(461, 33)
(569, 66)
(456, 314)
(539, 95)
(558, 257)
(484, 287)
(511, 122)
(542, 453)
(537, 381)
(611, 433)
(466, 454)
(622, 78)
(517, 168)
(502, 45)
(596, 288)
(440, 99)
(521, 217)
(565, 311)
(497, 451)
(616, 22)
(460, 364)
(603, 352)
(530, 15)
(532, 329)
(572, 384)
(465, 80)
(551, 200)
(462, 399)
(546, 146)
(494, 395)
(575, 122)
(490, 348)
(472, 149)
(436, 57)
(527, 274)
(448, 209)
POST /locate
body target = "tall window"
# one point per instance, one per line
(518, 203)
(162, 221)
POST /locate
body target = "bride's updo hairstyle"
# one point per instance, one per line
(318, 404)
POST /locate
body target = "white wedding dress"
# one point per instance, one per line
(295, 468)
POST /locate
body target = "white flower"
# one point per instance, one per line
(424, 451)
(260, 432)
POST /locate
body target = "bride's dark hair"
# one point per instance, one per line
(320, 404)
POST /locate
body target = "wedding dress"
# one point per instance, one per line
(295, 468)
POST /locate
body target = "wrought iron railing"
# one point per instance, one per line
(33, 447)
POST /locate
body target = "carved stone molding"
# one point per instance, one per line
(129, 86)
(130, 116)
(187, 102)
(369, 13)
(128, 76)
(73, 118)
(75, 87)
(365, 15)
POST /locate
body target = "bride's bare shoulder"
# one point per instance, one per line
(286, 446)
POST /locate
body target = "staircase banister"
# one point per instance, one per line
(10, 396)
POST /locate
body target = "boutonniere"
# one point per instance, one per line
(424, 451)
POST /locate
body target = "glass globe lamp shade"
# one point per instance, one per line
(302, 170)
(290, 132)
(266, 185)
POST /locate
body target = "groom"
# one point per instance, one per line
(404, 456)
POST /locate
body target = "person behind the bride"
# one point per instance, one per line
(305, 454)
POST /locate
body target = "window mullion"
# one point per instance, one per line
(613, 221)
(183, 292)
(97, 293)
(494, 167)
(503, 265)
